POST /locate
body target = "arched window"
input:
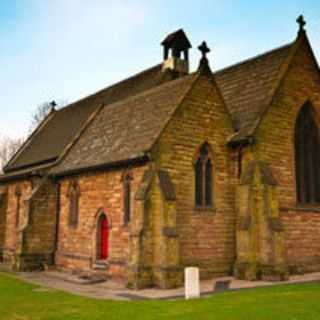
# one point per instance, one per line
(18, 194)
(203, 178)
(127, 198)
(307, 156)
(103, 238)
(74, 195)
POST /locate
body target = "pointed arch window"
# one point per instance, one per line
(307, 157)
(127, 198)
(74, 196)
(18, 194)
(203, 178)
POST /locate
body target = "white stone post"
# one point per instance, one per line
(192, 284)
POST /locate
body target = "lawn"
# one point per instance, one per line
(23, 301)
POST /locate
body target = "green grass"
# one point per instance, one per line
(20, 301)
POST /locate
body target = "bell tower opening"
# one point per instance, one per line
(176, 48)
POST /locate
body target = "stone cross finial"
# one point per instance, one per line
(301, 22)
(204, 49)
(204, 62)
(53, 105)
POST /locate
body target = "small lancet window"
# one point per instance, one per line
(203, 178)
(127, 198)
(2, 199)
(73, 195)
(18, 194)
(307, 157)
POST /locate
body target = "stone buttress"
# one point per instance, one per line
(259, 234)
(154, 242)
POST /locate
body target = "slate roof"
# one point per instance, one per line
(48, 143)
(247, 87)
(127, 129)
(136, 110)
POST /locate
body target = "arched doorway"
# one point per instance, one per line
(103, 238)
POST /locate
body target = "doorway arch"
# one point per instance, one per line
(102, 237)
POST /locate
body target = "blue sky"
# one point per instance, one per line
(66, 49)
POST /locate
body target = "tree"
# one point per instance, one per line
(8, 147)
(42, 111)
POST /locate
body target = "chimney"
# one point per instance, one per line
(176, 52)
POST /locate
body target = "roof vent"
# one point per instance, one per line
(176, 52)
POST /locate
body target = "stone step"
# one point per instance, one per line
(100, 265)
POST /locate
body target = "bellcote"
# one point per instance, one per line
(176, 52)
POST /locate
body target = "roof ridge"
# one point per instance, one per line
(180, 86)
(281, 75)
(256, 57)
(110, 87)
(151, 90)
(27, 141)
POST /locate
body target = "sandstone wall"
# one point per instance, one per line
(12, 243)
(275, 145)
(3, 218)
(207, 237)
(77, 245)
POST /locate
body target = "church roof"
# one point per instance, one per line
(247, 88)
(53, 136)
(127, 118)
(127, 129)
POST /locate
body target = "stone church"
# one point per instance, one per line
(171, 168)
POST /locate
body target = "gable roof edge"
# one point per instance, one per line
(196, 77)
(282, 74)
(69, 146)
(214, 83)
(41, 125)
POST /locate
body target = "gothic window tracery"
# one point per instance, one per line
(204, 178)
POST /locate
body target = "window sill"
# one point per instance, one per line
(205, 210)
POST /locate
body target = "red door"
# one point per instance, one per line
(104, 238)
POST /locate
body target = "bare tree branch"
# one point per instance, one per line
(8, 147)
(42, 111)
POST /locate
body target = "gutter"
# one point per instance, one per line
(139, 160)
(18, 176)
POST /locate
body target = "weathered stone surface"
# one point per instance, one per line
(100, 192)
(206, 237)
(3, 218)
(260, 246)
(29, 239)
(275, 145)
